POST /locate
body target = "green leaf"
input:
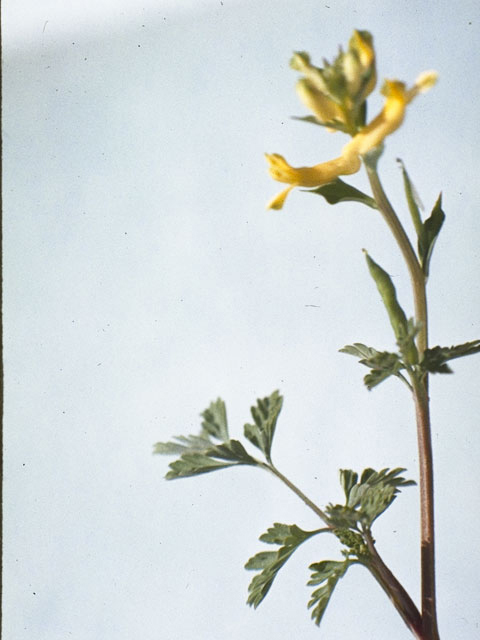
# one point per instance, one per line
(194, 464)
(434, 360)
(348, 479)
(215, 420)
(201, 454)
(429, 233)
(413, 200)
(265, 415)
(290, 537)
(385, 287)
(327, 574)
(375, 492)
(339, 191)
(333, 124)
(383, 364)
(341, 516)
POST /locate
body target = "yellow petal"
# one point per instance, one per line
(325, 109)
(314, 176)
(278, 201)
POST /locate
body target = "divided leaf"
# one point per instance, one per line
(265, 415)
(383, 364)
(269, 563)
(339, 191)
(368, 498)
(201, 454)
(214, 421)
(327, 574)
(434, 360)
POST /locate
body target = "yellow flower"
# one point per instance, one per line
(397, 97)
(324, 108)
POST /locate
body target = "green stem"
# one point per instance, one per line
(321, 514)
(421, 400)
(395, 591)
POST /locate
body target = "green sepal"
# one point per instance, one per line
(429, 233)
(265, 415)
(339, 191)
(290, 537)
(383, 364)
(434, 359)
(327, 574)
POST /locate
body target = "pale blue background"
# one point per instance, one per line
(143, 278)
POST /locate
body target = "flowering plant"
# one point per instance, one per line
(337, 96)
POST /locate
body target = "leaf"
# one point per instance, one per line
(340, 191)
(265, 415)
(375, 492)
(413, 200)
(215, 420)
(383, 364)
(290, 537)
(348, 479)
(328, 572)
(342, 516)
(434, 360)
(333, 124)
(428, 236)
(385, 287)
(365, 499)
(201, 454)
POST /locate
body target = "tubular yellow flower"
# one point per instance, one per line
(397, 97)
(324, 108)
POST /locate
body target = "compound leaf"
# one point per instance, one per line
(434, 360)
(327, 574)
(269, 563)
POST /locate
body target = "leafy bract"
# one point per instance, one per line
(265, 415)
(326, 573)
(367, 498)
(434, 360)
(269, 563)
(210, 450)
(383, 364)
(427, 232)
(340, 191)
(428, 236)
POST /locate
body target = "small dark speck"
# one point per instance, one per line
(34, 593)
(125, 233)
(73, 43)
(469, 23)
(143, 25)
(23, 464)
(139, 45)
(84, 58)
(327, 6)
(99, 364)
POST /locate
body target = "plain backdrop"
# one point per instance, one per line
(144, 278)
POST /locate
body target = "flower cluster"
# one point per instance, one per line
(337, 96)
